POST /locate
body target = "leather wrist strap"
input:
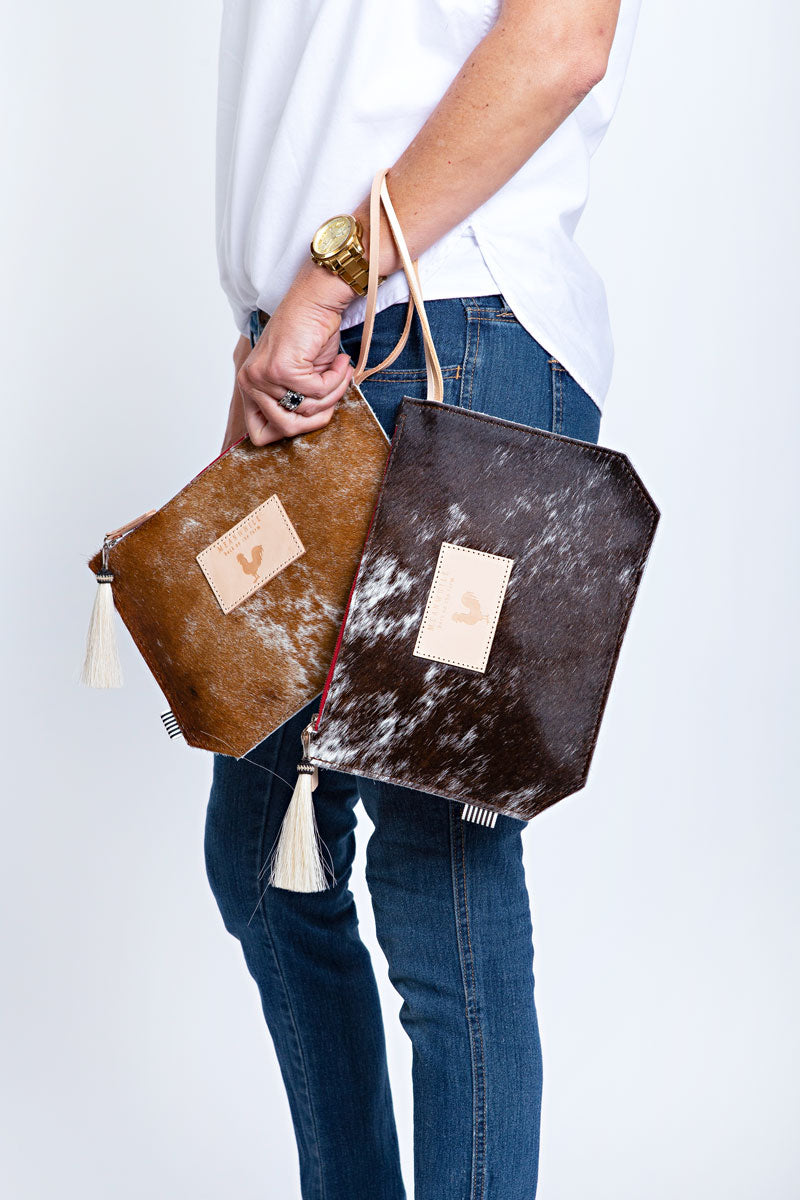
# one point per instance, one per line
(380, 194)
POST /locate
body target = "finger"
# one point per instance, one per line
(267, 395)
(257, 425)
(286, 424)
(309, 408)
(272, 433)
(279, 424)
(319, 384)
(269, 399)
(274, 378)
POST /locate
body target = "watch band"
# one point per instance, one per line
(352, 267)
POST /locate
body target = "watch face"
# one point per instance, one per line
(331, 236)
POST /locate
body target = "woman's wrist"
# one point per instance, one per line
(321, 286)
(388, 258)
(324, 287)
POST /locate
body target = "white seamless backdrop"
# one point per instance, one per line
(135, 1061)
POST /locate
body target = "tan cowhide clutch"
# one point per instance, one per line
(234, 590)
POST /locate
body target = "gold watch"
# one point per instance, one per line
(338, 245)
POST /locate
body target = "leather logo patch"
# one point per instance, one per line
(253, 551)
(463, 607)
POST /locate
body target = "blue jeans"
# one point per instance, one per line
(451, 907)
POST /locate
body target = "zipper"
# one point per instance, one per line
(116, 535)
(316, 723)
(314, 727)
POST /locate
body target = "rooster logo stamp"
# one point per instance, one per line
(250, 567)
(473, 612)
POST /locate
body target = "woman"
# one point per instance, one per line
(487, 115)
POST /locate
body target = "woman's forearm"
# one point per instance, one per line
(521, 81)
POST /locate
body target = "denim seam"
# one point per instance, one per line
(472, 319)
(557, 392)
(489, 314)
(560, 410)
(403, 375)
(287, 994)
(467, 960)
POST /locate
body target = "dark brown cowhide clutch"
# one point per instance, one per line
(487, 614)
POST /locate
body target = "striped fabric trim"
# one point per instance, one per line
(478, 814)
(171, 723)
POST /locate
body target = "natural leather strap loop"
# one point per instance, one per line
(380, 194)
(435, 381)
(361, 372)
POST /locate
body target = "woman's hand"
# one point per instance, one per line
(298, 350)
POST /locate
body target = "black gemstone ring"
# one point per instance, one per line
(291, 400)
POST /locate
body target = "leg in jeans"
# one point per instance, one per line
(451, 907)
(453, 918)
(314, 974)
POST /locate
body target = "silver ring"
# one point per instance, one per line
(291, 400)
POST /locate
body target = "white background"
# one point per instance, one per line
(134, 1057)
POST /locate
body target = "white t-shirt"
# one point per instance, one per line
(315, 96)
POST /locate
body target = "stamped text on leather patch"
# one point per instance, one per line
(253, 551)
(463, 607)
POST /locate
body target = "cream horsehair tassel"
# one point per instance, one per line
(297, 863)
(101, 666)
